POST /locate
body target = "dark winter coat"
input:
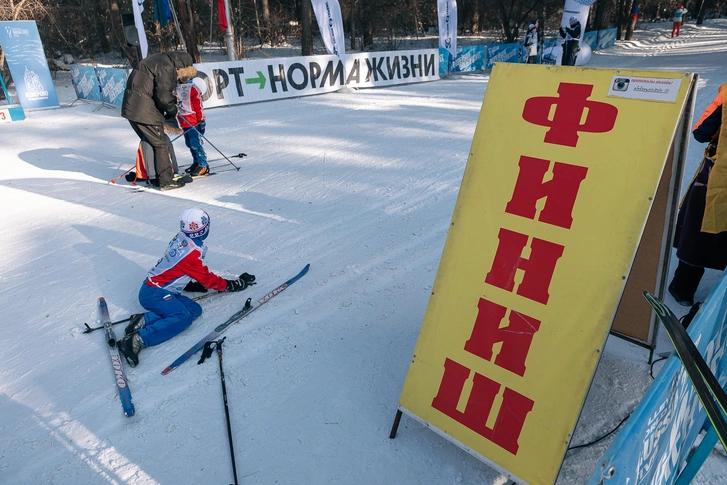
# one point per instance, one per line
(149, 96)
(694, 246)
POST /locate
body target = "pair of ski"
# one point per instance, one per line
(117, 365)
(708, 389)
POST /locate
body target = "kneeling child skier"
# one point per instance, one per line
(181, 268)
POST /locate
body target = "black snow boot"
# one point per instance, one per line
(129, 347)
(685, 282)
(136, 321)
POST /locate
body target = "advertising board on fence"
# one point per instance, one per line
(660, 433)
(542, 240)
(249, 81)
(512, 52)
(24, 54)
(470, 59)
(85, 82)
(113, 84)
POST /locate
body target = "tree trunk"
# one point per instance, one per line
(598, 23)
(117, 31)
(353, 23)
(188, 31)
(619, 27)
(306, 40)
(267, 30)
(702, 10)
(630, 25)
(103, 40)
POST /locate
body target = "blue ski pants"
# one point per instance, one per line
(193, 140)
(168, 314)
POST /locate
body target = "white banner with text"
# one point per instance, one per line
(249, 81)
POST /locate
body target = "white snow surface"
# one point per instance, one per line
(362, 186)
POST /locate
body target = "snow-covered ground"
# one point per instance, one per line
(362, 186)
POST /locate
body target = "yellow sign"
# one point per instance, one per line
(555, 196)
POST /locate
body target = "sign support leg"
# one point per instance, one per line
(395, 425)
(697, 457)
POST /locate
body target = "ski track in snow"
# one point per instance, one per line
(362, 186)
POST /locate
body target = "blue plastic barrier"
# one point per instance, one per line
(113, 84)
(606, 38)
(512, 52)
(470, 59)
(85, 82)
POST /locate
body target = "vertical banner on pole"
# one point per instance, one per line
(23, 50)
(541, 243)
(138, 7)
(447, 12)
(569, 50)
(330, 23)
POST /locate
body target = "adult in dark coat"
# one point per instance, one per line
(696, 248)
(149, 100)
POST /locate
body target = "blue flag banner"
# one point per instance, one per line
(113, 84)
(28, 67)
(512, 52)
(657, 438)
(162, 13)
(470, 59)
(85, 82)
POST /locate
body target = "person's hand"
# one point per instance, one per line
(201, 127)
(235, 285)
(249, 279)
(241, 283)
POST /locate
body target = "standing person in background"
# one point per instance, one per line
(635, 11)
(190, 116)
(678, 20)
(571, 35)
(701, 233)
(531, 43)
(149, 100)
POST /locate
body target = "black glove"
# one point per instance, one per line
(235, 285)
(195, 287)
(248, 279)
(201, 126)
(241, 283)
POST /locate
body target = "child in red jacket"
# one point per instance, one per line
(191, 120)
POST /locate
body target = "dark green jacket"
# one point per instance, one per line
(149, 96)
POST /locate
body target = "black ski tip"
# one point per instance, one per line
(88, 328)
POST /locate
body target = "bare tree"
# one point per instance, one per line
(306, 41)
(189, 32)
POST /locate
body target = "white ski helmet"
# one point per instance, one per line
(195, 223)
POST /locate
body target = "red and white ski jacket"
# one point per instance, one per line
(182, 261)
(189, 105)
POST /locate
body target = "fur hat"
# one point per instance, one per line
(186, 73)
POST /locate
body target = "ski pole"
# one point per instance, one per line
(113, 180)
(90, 329)
(207, 352)
(218, 150)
